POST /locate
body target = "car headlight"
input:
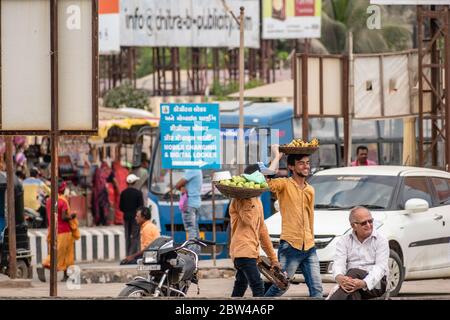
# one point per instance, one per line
(330, 267)
(150, 256)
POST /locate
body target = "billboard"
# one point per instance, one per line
(108, 26)
(291, 19)
(26, 69)
(187, 23)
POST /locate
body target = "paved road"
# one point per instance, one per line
(221, 288)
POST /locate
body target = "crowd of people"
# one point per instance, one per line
(118, 197)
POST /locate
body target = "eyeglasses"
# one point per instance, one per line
(363, 223)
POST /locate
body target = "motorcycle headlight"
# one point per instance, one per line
(150, 256)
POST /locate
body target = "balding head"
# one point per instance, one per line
(361, 222)
(355, 211)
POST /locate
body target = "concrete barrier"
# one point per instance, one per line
(95, 244)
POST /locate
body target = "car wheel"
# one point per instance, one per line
(396, 273)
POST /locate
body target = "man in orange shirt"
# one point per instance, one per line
(248, 232)
(149, 232)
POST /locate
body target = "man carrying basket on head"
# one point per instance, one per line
(248, 232)
(296, 199)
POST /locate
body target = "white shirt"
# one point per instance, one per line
(372, 256)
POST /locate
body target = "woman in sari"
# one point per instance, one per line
(67, 233)
(101, 205)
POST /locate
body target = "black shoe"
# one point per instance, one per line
(65, 277)
(41, 273)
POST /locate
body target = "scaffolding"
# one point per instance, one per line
(434, 42)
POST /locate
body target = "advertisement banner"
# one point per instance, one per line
(190, 136)
(187, 23)
(291, 19)
(108, 26)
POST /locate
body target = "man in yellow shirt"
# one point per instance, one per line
(296, 199)
(33, 189)
(149, 232)
(248, 232)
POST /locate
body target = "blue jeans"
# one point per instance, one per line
(247, 274)
(290, 259)
(190, 221)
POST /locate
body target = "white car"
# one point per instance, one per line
(410, 206)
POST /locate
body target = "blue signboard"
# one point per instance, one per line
(190, 136)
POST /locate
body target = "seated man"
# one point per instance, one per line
(149, 232)
(361, 262)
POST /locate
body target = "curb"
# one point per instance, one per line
(15, 283)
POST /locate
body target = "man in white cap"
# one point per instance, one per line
(130, 200)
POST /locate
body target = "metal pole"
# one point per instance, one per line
(172, 226)
(241, 144)
(11, 208)
(305, 128)
(54, 146)
(420, 119)
(351, 98)
(214, 221)
(345, 110)
(447, 90)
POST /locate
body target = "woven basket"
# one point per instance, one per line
(298, 150)
(240, 193)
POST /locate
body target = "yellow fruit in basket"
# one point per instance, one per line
(314, 142)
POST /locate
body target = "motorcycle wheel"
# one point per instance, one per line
(22, 270)
(131, 291)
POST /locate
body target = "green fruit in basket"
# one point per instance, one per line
(232, 184)
(256, 186)
(264, 185)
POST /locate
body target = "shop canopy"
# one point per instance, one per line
(116, 121)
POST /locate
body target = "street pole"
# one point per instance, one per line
(54, 138)
(351, 100)
(11, 208)
(241, 144)
(172, 226)
(214, 221)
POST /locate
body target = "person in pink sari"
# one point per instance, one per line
(101, 205)
(120, 174)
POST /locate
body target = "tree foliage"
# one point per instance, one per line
(341, 16)
(126, 96)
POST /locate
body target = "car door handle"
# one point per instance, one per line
(438, 217)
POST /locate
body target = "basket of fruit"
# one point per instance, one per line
(241, 188)
(298, 146)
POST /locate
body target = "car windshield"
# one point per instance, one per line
(345, 192)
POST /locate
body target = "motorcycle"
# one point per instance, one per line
(32, 218)
(171, 270)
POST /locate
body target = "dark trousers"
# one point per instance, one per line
(359, 294)
(132, 237)
(247, 274)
